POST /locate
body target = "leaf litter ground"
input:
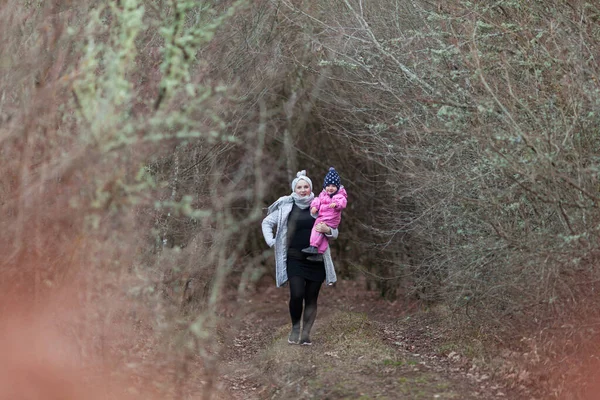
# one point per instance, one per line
(363, 349)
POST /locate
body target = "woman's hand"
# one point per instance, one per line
(322, 227)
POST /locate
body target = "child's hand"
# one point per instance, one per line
(332, 205)
(314, 210)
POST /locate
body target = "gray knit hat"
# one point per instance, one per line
(301, 175)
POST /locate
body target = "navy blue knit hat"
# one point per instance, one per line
(332, 178)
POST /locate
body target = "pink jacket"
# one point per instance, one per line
(331, 216)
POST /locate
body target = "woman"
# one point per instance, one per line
(291, 215)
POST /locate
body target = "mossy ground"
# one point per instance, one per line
(350, 361)
(352, 357)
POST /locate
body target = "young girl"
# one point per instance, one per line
(328, 206)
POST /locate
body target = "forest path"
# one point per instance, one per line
(361, 350)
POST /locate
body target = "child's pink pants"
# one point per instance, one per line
(319, 240)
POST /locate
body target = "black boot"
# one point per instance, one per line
(294, 334)
(310, 250)
(316, 257)
(309, 317)
(305, 339)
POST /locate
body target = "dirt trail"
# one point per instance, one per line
(361, 350)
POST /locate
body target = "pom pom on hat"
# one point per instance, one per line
(332, 178)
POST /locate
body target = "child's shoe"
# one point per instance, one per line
(310, 250)
(316, 257)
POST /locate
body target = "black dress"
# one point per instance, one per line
(300, 224)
